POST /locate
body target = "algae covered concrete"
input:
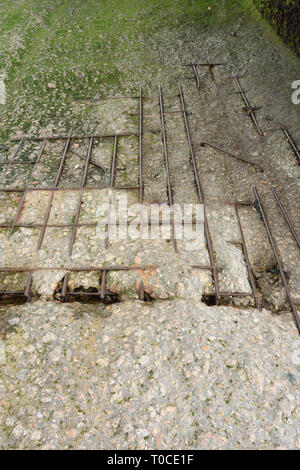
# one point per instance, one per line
(284, 16)
(60, 55)
(173, 373)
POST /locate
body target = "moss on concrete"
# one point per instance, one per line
(86, 49)
(284, 16)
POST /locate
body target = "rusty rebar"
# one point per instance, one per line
(74, 232)
(201, 197)
(71, 188)
(292, 143)
(92, 224)
(209, 64)
(74, 137)
(65, 286)
(103, 284)
(245, 251)
(18, 162)
(40, 153)
(28, 269)
(192, 155)
(205, 64)
(42, 234)
(277, 257)
(233, 156)
(236, 294)
(22, 140)
(82, 184)
(27, 291)
(141, 146)
(18, 213)
(212, 258)
(62, 161)
(196, 74)
(286, 216)
(166, 158)
(199, 266)
(248, 108)
(87, 161)
(97, 165)
(113, 163)
(86, 224)
(141, 291)
(107, 227)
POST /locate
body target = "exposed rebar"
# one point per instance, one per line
(277, 257)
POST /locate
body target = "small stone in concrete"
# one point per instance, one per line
(2, 353)
(14, 321)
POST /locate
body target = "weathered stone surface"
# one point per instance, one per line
(2, 353)
(161, 375)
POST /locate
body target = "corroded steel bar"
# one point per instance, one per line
(133, 267)
(236, 294)
(165, 145)
(212, 258)
(292, 143)
(231, 155)
(286, 216)
(198, 266)
(18, 148)
(12, 294)
(27, 290)
(141, 146)
(207, 64)
(113, 163)
(108, 98)
(65, 285)
(91, 161)
(106, 242)
(277, 257)
(74, 232)
(170, 195)
(82, 184)
(42, 234)
(194, 67)
(85, 294)
(232, 242)
(91, 224)
(241, 91)
(71, 188)
(141, 291)
(152, 114)
(62, 161)
(75, 137)
(18, 162)
(249, 108)
(201, 197)
(87, 161)
(188, 134)
(103, 284)
(251, 277)
(18, 213)
(40, 154)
